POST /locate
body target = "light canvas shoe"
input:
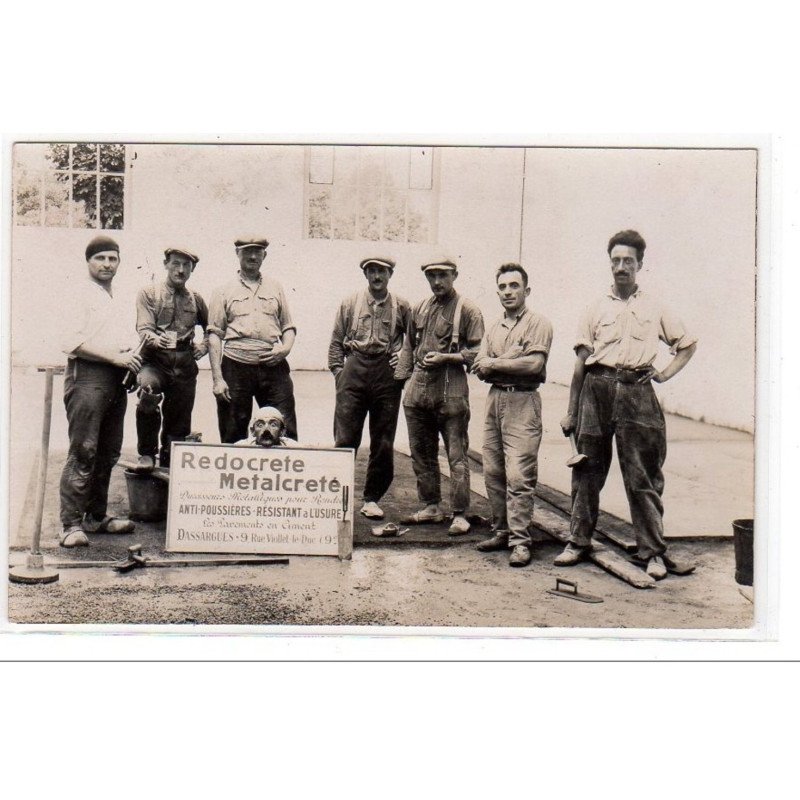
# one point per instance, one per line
(372, 510)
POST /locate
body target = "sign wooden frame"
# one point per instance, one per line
(271, 501)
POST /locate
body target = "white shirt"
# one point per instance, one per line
(626, 333)
(97, 319)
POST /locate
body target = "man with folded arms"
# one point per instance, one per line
(100, 348)
(443, 339)
(512, 358)
(612, 398)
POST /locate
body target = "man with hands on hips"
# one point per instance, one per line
(612, 398)
(250, 335)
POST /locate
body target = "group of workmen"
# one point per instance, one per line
(382, 352)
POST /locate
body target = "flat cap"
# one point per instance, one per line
(440, 263)
(251, 242)
(188, 253)
(380, 262)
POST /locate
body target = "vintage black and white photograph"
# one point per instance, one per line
(407, 385)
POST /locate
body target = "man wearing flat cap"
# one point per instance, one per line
(100, 349)
(611, 398)
(250, 335)
(443, 340)
(166, 317)
(363, 355)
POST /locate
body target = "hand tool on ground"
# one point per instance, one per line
(137, 560)
(576, 457)
(34, 570)
(388, 530)
(572, 593)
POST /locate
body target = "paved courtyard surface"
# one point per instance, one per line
(425, 579)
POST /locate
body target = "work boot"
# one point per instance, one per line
(520, 556)
(372, 510)
(498, 542)
(459, 526)
(73, 536)
(572, 554)
(145, 464)
(656, 568)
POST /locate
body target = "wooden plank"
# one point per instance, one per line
(604, 557)
(612, 528)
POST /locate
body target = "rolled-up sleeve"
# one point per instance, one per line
(585, 334)
(284, 315)
(217, 315)
(538, 338)
(673, 332)
(472, 332)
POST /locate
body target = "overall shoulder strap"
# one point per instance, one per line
(357, 303)
(392, 321)
(456, 325)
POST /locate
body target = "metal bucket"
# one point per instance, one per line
(743, 550)
(147, 497)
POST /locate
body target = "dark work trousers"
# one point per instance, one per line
(366, 385)
(270, 386)
(631, 414)
(430, 412)
(173, 374)
(95, 401)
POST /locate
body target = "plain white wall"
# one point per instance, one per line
(696, 209)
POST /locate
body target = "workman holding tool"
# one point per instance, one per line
(363, 356)
(443, 340)
(612, 397)
(166, 317)
(100, 349)
(513, 358)
(250, 335)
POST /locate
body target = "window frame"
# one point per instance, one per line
(45, 172)
(433, 221)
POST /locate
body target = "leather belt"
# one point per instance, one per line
(617, 373)
(532, 387)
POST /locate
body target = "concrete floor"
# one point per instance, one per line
(709, 470)
(405, 583)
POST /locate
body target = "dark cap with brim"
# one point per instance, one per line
(240, 244)
(101, 244)
(442, 263)
(188, 253)
(378, 262)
